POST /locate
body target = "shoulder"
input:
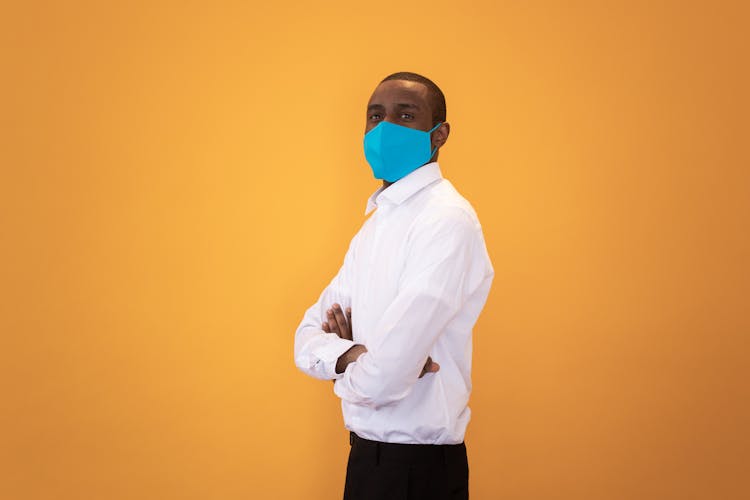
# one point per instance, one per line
(446, 207)
(445, 222)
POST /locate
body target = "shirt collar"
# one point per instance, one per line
(406, 187)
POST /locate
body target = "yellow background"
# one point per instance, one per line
(179, 181)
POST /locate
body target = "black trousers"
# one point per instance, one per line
(387, 471)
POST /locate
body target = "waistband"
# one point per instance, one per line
(400, 452)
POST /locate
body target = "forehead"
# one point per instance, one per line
(399, 91)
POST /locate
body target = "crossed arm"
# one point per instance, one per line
(340, 323)
(444, 266)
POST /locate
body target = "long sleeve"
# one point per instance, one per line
(316, 352)
(446, 269)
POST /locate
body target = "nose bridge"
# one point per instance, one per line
(391, 113)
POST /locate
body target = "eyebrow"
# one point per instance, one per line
(400, 105)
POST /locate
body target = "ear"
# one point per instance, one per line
(440, 135)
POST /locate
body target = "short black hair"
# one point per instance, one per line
(436, 95)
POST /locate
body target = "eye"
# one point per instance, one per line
(374, 117)
(407, 116)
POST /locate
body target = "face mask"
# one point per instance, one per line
(393, 151)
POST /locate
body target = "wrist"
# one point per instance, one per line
(350, 356)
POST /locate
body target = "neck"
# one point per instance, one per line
(433, 159)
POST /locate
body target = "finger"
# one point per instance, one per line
(342, 323)
(332, 323)
(429, 367)
(349, 320)
(340, 318)
(424, 368)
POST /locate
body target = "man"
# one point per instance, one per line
(393, 328)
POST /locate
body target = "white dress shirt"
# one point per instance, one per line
(416, 277)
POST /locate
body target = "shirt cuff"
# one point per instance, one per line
(329, 354)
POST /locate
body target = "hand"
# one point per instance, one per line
(339, 322)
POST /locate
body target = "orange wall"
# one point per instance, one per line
(180, 181)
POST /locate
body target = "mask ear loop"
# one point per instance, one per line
(430, 132)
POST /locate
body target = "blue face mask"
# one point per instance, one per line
(393, 151)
